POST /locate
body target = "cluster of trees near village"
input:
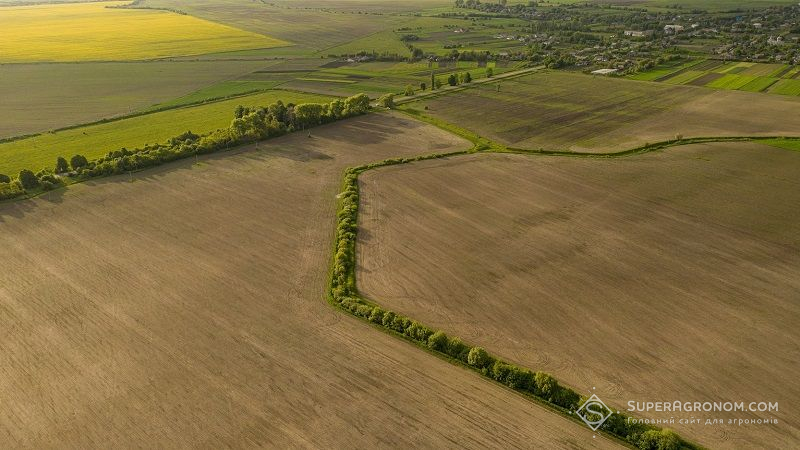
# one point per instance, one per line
(248, 125)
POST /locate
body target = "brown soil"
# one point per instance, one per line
(186, 309)
(659, 277)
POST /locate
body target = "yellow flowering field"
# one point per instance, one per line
(93, 32)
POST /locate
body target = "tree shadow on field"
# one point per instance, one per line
(320, 143)
(20, 207)
(294, 154)
(366, 130)
(16, 208)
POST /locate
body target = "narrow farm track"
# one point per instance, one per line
(185, 309)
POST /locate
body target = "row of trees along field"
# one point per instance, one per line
(248, 125)
(540, 385)
(387, 100)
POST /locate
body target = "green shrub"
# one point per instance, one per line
(28, 179)
(388, 319)
(665, 439)
(438, 341)
(478, 357)
(10, 190)
(4, 178)
(78, 161)
(546, 386)
(376, 315)
(457, 349)
(387, 101)
(61, 165)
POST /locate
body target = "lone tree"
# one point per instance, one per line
(489, 72)
(433, 81)
(409, 91)
(62, 165)
(422, 86)
(467, 77)
(452, 80)
(78, 161)
(4, 178)
(28, 179)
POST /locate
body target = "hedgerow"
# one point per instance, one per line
(538, 385)
(248, 125)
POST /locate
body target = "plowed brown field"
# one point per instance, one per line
(568, 111)
(186, 309)
(659, 277)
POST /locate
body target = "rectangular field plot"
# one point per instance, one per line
(786, 87)
(744, 76)
(567, 111)
(102, 31)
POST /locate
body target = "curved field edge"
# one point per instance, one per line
(537, 386)
(485, 144)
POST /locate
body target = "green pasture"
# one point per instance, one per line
(96, 140)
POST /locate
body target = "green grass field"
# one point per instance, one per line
(685, 77)
(218, 91)
(788, 145)
(96, 140)
(743, 76)
(786, 87)
(41, 97)
(663, 70)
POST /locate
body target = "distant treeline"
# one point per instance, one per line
(248, 125)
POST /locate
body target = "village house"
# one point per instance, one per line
(635, 33)
(673, 28)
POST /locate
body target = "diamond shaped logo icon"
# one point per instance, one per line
(594, 412)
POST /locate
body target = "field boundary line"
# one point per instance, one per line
(464, 86)
(485, 144)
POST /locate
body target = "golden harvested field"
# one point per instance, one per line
(94, 32)
(658, 277)
(186, 309)
(568, 111)
(310, 29)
